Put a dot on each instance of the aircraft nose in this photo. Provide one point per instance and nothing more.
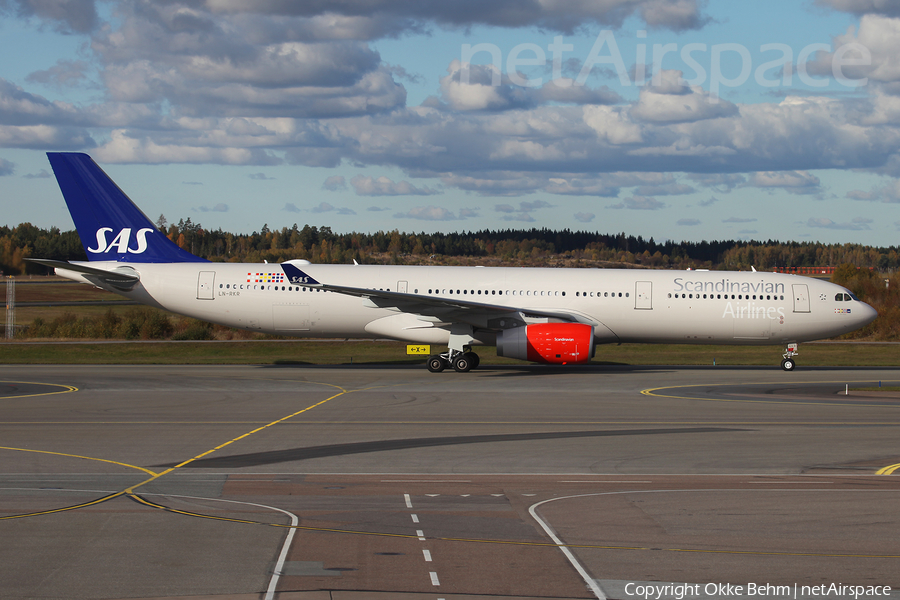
(867, 314)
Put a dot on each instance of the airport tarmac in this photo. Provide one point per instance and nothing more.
(360, 483)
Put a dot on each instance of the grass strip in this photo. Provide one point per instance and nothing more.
(387, 353)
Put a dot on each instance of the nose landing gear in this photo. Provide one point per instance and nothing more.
(788, 363)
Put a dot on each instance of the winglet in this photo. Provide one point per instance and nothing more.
(109, 224)
(297, 277)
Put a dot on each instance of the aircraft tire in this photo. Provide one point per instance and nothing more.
(788, 364)
(436, 364)
(463, 363)
(474, 359)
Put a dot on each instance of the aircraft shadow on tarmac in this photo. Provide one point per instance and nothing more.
(256, 459)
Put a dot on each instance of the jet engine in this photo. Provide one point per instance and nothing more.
(556, 343)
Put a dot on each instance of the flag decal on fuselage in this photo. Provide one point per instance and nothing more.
(265, 277)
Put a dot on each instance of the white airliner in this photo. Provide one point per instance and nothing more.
(540, 315)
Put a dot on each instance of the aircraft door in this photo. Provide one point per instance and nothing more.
(643, 297)
(205, 285)
(801, 298)
(402, 286)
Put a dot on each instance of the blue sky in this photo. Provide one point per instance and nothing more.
(671, 119)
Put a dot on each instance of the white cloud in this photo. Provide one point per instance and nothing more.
(889, 194)
(67, 16)
(860, 7)
(272, 82)
(823, 223)
(220, 207)
(335, 183)
(867, 53)
(323, 207)
(383, 186)
(584, 217)
(639, 203)
(556, 15)
(8, 168)
(794, 182)
(428, 213)
(671, 102)
(668, 189)
(523, 212)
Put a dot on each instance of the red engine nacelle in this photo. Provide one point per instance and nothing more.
(557, 343)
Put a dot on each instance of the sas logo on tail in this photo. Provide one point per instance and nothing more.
(121, 241)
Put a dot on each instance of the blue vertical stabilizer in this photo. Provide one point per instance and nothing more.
(109, 224)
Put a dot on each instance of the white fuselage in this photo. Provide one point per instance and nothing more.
(623, 305)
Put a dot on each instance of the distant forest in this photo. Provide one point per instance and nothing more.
(525, 247)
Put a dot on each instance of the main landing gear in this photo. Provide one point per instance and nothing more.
(462, 362)
(459, 353)
(788, 363)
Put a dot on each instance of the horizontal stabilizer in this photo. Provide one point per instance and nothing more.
(123, 278)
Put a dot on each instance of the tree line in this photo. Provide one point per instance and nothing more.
(523, 247)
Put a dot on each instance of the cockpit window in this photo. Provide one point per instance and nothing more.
(850, 297)
(839, 297)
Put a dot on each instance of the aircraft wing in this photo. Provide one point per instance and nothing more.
(442, 309)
